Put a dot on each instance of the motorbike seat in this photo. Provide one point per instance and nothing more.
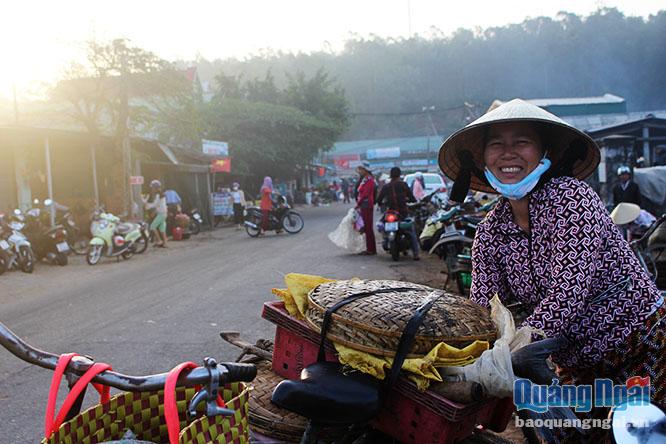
(329, 397)
(124, 227)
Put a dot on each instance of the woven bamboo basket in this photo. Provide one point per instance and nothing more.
(374, 324)
(273, 421)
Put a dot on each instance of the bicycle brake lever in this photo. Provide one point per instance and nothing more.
(209, 394)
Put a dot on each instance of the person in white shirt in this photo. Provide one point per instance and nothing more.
(239, 204)
(157, 202)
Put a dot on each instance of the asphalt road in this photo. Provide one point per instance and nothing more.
(151, 312)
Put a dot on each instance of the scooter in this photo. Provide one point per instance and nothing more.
(396, 233)
(282, 217)
(16, 249)
(48, 242)
(195, 221)
(111, 237)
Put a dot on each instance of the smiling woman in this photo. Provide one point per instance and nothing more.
(550, 244)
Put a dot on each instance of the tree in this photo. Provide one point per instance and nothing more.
(122, 89)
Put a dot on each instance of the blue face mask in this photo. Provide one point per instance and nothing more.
(520, 189)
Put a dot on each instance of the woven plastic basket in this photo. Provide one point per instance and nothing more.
(375, 323)
(143, 413)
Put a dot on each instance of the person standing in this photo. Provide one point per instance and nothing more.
(365, 202)
(345, 190)
(266, 204)
(626, 190)
(239, 204)
(157, 202)
(418, 187)
(397, 194)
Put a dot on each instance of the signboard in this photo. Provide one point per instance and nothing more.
(383, 153)
(415, 162)
(215, 147)
(223, 204)
(382, 165)
(136, 180)
(354, 163)
(220, 165)
(343, 160)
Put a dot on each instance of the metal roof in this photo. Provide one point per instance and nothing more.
(406, 144)
(595, 122)
(563, 101)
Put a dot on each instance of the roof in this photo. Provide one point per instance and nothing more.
(598, 122)
(565, 101)
(406, 144)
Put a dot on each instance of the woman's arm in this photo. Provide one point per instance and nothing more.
(487, 280)
(576, 241)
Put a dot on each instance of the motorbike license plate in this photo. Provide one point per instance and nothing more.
(391, 226)
(62, 247)
(4, 244)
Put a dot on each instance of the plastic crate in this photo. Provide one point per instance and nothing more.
(409, 415)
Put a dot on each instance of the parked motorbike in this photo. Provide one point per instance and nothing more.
(281, 217)
(396, 233)
(76, 239)
(47, 242)
(195, 221)
(111, 237)
(16, 249)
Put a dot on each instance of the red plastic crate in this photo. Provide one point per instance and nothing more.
(408, 415)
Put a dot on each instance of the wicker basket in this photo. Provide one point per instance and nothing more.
(374, 323)
(270, 420)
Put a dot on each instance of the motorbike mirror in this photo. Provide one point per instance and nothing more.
(48, 202)
(36, 201)
(17, 212)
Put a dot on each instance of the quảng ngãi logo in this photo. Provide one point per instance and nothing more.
(582, 398)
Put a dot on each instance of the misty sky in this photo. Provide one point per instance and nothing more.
(40, 38)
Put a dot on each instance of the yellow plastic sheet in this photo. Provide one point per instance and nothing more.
(295, 296)
(421, 370)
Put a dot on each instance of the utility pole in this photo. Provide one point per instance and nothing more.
(123, 132)
(432, 131)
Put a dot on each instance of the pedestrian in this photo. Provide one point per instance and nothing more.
(266, 204)
(157, 202)
(397, 194)
(365, 203)
(418, 186)
(626, 190)
(345, 190)
(173, 201)
(239, 204)
(551, 243)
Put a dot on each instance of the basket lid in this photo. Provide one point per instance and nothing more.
(375, 322)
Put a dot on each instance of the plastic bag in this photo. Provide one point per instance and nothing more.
(358, 221)
(493, 369)
(345, 235)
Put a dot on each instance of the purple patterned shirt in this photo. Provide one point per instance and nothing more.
(575, 271)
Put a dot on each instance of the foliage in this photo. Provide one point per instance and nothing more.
(564, 56)
(271, 130)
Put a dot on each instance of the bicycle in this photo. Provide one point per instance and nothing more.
(212, 376)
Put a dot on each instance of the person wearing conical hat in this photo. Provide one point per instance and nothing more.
(550, 243)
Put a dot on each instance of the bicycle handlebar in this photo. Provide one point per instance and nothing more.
(229, 371)
(650, 230)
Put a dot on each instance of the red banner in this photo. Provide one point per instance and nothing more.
(221, 165)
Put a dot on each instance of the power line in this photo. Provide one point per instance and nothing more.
(413, 113)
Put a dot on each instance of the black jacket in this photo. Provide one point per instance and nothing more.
(397, 194)
(631, 194)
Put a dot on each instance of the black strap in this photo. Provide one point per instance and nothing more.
(406, 339)
(464, 178)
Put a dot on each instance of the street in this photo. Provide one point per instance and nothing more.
(149, 313)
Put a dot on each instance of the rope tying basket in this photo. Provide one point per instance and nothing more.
(374, 324)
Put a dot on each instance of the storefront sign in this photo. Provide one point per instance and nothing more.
(415, 162)
(220, 165)
(136, 180)
(383, 153)
(215, 148)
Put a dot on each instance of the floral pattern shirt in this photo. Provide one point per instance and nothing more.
(574, 271)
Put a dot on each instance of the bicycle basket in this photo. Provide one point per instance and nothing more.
(143, 414)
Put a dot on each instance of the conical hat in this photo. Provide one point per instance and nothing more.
(471, 138)
(625, 213)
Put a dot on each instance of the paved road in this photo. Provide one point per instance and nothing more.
(153, 311)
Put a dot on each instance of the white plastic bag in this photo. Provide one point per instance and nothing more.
(493, 369)
(346, 237)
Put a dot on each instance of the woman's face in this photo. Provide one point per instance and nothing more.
(512, 151)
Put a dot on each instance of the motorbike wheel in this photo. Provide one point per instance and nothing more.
(127, 254)
(94, 254)
(61, 259)
(292, 222)
(26, 260)
(79, 246)
(141, 244)
(252, 232)
(195, 227)
(395, 251)
(4, 262)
